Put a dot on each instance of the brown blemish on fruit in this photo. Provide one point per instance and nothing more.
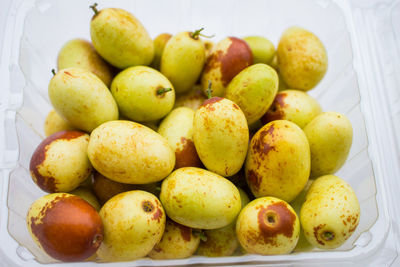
(147, 206)
(208, 103)
(69, 74)
(260, 145)
(187, 156)
(275, 112)
(235, 106)
(213, 60)
(186, 232)
(274, 220)
(157, 215)
(68, 228)
(253, 179)
(47, 183)
(316, 235)
(237, 57)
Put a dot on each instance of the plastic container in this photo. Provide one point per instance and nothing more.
(358, 83)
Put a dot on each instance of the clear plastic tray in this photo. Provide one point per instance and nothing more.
(355, 84)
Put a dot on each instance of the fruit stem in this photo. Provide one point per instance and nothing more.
(94, 8)
(328, 236)
(163, 90)
(200, 234)
(209, 90)
(198, 33)
(53, 71)
(158, 188)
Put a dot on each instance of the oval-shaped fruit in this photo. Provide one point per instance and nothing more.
(134, 223)
(221, 136)
(127, 152)
(192, 99)
(87, 195)
(120, 38)
(222, 242)
(79, 53)
(263, 50)
(178, 242)
(330, 213)
(82, 99)
(65, 226)
(228, 57)
(293, 105)
(60, 162)
(177, 128)
(199, 199)
(253, 89)
(330, 136)
(302, 59)
(208, 45)
(278, 162)
(143, 94)
(55, 123)
(182, 60)
(159, 44)
(268, 226)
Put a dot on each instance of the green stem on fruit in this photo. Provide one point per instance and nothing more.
(209, 90)
(328, 236)
(158, 188)
(53, 71)
(198, 33)
(201, 234)
(163, 90)
(94, 8)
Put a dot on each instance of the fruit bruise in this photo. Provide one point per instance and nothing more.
(187, 155)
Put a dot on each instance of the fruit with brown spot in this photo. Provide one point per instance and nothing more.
(177, 128)
(268, 226)
(134, 223)
(65, 226)
(330, 213)
(60, 162)
(221, 136)
(278, 161)
(178, 242)
(87, 195)
(192, 99)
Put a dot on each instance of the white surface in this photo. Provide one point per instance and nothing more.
(43, 26)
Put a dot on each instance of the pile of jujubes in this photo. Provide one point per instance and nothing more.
(179, 146)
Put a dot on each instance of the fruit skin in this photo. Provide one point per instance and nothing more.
(65, 226)
(208, 46)
(278, 161)
(128, 152)
(105, 188)
(330, 206)
(199, 199)
(222, 241)
(330, 136)
(120, 38)
(60, 162)
(293, 105)
(55, 123)
(228, 57)
(253, 90)
(178, 242)
(134, 223)
(159, 44)
(135, 91)
(82, 99)
(268, 226)
(182, 60)
(263, 50)
(192, 99)
(221, 136)
(177, 128)
(79, 53)
(87, 195)
(302, 59)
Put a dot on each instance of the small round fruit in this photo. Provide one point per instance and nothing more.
(143, 94)
(293, 105)
(263, 50)
(302, 59)
(268, 226)
(87, 194)
(60, 162)
(65, 226)
(105, 188)
(199, 199)
(134, 223)
(178, 242)
(55, 123)
(128, 152)
(330, 213)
